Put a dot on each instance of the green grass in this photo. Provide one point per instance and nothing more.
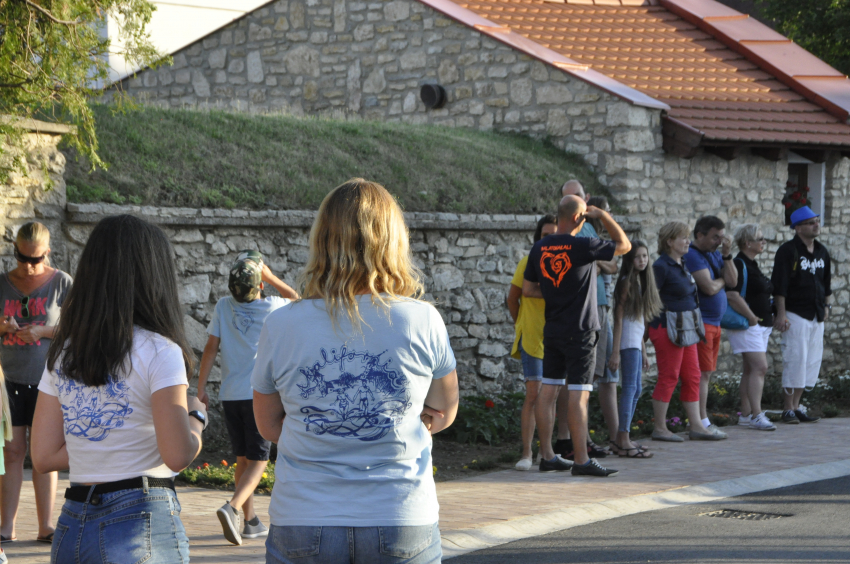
(219, 159)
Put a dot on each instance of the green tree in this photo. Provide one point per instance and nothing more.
(819, 26)
(53, 60)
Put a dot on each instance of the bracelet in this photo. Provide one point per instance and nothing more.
(727, 257)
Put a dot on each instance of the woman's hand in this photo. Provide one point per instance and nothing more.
(194, 403)
(8, 324)
(204, 398)
(614, 361)
(30, 333)
(645, 361)
(428, 414)
(753, 320)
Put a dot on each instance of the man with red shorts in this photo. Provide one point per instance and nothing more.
(713, 271)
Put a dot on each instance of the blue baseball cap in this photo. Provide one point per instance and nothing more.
(802, 214)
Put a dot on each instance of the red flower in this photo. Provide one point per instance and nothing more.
(795, 196)
(803, 200)
(489, 404)
(806, 189)
(206, 464)
(224, 463)
(788, 205)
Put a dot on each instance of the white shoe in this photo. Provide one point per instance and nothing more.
(523, 465)
(715, 430)
(745, 420)
(761, 423)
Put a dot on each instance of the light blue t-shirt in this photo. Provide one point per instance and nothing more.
(353, 451)
(588, 231)
(238, 326)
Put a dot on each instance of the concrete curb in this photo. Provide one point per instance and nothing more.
(462, 541)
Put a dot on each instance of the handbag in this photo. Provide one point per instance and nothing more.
(732, 319)
(685, 328)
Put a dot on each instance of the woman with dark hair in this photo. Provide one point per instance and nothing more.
(112, 403)
(529, 317)
(351, 401)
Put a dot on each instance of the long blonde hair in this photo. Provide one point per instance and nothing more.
(6, 415)
(359, 243)
(35, 232)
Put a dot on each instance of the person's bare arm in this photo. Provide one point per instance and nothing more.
(282, 287)
(178, 436)
(47, 447)
(618, 236)
(738, 303)
(531, 289)
(607, 266)
(269, 414)
(514, 294)
(614, 361)
(705, 284)
(207, 361)
(729, 272)
(443, 396)
(33, 333)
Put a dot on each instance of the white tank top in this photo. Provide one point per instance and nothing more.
(632, 333)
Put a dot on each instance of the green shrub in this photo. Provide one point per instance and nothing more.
(490, 420)
(221, 476)
(829, 410)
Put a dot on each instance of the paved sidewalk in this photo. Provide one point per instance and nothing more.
(501, 506)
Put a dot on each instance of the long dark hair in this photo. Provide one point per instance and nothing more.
(636, 290)
(548, 219)
(126, 277)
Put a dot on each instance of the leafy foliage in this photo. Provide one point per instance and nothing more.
(819, 26)
(222, 476)
(484, 419)
(53, 60)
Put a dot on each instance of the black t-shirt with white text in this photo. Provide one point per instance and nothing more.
(564, 267)
(803, 278)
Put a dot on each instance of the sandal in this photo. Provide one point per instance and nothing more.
(638, 453)
(615, 448)
(596, 451)
(4, 540)
(46, 539)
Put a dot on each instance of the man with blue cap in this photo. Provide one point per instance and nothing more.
(802, 294)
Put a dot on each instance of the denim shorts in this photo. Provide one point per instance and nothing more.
(360, 545)
(532, 367)
(127, 526)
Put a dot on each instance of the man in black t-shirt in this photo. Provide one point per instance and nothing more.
(802, 293)
(561, 270)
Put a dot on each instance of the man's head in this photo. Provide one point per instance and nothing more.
(708, 233)
(806, 223)
(246, 276)
(573, 188)
(571, 214)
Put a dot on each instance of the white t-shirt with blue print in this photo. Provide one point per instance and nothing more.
(353, 451)
(238, 326)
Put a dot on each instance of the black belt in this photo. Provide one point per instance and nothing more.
(81, 493)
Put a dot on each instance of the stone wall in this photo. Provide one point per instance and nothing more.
(34, 190)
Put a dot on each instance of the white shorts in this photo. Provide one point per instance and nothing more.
(751, 339)
(802, 352)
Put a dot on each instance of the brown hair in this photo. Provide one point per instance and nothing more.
(671, 230)
(636, 290)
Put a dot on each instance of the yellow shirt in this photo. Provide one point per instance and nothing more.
(531, 319)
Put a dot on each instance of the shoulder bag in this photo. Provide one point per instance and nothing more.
(685, 328)
(732, 319)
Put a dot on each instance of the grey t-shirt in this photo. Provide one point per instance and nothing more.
(23, 363)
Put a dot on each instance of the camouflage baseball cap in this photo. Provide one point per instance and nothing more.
(246, 274)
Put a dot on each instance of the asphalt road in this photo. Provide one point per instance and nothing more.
(814, 528)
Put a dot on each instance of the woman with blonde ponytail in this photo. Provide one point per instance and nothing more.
(351, 382)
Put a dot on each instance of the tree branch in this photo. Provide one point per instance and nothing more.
(50, 16)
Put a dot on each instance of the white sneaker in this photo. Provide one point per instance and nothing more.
(745, 420)
(761, 423)
(523, 465)
(715, 430)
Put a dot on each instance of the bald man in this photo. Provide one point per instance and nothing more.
(561, 270)
(574, 188)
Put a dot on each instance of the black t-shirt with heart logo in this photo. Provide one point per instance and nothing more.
(563, 266)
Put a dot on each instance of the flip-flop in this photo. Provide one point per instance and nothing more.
(47, 539)
(638, 453)
(4, 540)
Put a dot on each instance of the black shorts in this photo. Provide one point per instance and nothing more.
(22, 400)
(242, 428)
(570, 360)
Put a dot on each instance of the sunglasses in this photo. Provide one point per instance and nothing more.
(20, 257)
(25, 306)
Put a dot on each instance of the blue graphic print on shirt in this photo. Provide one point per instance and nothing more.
(243, 321)
(367, 398)
(91, 412)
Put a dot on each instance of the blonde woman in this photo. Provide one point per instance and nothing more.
(351, 382)
(32, 295)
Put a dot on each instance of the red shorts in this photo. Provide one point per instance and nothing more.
(710, 349)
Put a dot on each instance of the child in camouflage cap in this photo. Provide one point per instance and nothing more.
(235, 328)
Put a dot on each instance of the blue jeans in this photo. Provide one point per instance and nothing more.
(123, 527)
(631, 365)
(532, 367)
(361, 545)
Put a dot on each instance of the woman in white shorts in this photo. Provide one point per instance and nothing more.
(751, 298)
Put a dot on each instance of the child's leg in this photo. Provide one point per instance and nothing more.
(248, 476)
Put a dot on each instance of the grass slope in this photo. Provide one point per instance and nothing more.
(219, 159)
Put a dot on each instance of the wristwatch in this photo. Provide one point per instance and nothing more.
(200, 417)
(728, 257)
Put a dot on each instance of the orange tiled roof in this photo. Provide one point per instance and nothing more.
(677, 52)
